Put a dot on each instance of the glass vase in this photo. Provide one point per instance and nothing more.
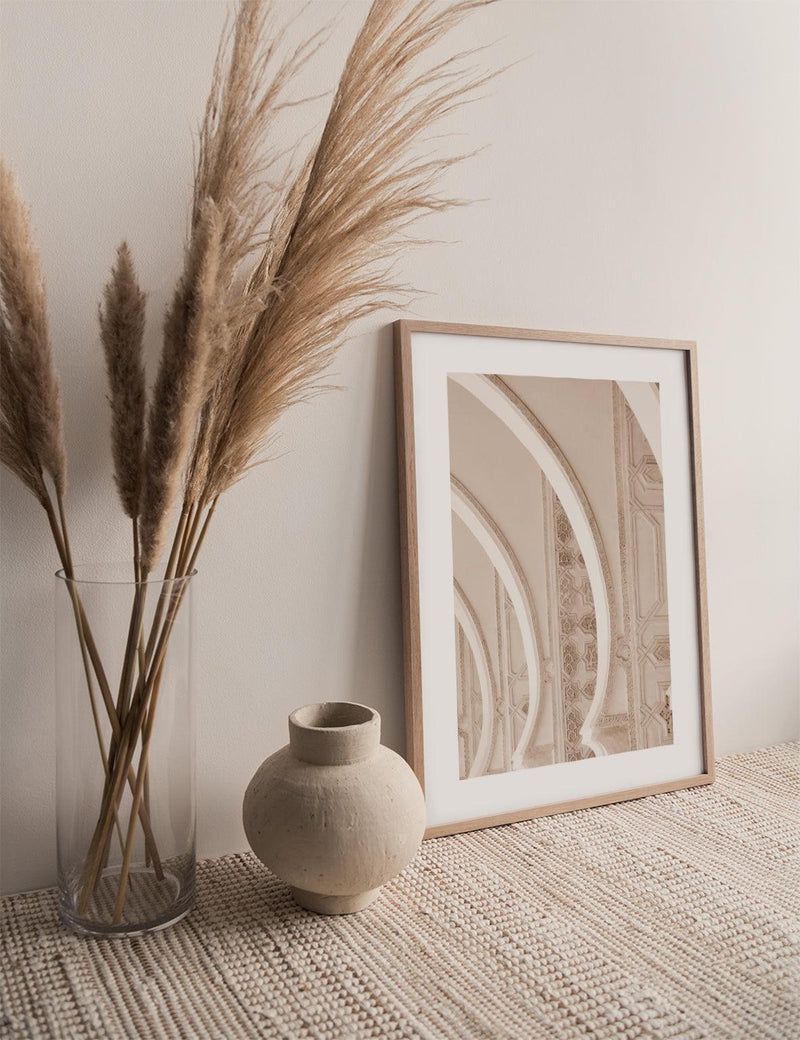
(125, 752)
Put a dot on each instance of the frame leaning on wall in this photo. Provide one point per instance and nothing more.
(445, 375)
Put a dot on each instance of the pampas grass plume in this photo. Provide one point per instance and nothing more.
(31, 431)
(122, 318)
(178, 390)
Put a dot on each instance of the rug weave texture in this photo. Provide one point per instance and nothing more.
(675, 916)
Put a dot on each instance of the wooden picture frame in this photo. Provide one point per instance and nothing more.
(469, 367)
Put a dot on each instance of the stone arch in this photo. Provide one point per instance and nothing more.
(531, 433)
(468, 620)
(491, 539)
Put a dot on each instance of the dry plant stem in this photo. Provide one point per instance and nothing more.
(169, 573)
(118, 749)
(137, 796)
(96, 853)
(88, 645)
(134, 638)
(135, 634)
(188, 538)
(137, 564)
(122, 765)
(140, 650)
(154, 687)
(89, 649)
(146, 697)
(146, 657)
(83, 627)
(96, 719)
(137, 573)
(84, 635)
(148, 859)
(85, 631)
(137, 570)
(112, 794)
(62, 546)
(64, 533)
(82, 622)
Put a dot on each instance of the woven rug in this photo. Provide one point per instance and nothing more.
(674, 916)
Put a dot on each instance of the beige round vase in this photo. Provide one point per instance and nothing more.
(334, 813)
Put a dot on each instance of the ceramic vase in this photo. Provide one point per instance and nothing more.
(334, 813)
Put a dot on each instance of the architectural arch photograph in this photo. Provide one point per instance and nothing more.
(562, 647)
(553, 582)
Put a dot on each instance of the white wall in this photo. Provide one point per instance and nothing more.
(642, 179)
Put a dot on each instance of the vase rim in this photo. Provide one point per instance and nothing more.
(94, 576)
(334, 732)
(332, 715)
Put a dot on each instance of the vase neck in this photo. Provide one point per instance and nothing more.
(334, 733)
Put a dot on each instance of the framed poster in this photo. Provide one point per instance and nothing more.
(556, 644)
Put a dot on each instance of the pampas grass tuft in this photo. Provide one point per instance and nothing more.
(122, 314)
(177, 394)
(31, 432)
(332, 241)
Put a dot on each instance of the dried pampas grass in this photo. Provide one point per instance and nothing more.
(276, 269)
(31, 432)
(177, 394)
(235, 167)
(122, 316)
(332, 242)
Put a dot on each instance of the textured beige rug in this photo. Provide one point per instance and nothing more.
(673, 916)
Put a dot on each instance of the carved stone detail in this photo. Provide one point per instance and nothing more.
(470, 706)
(574, 634)
(514, 703)
(640, 502)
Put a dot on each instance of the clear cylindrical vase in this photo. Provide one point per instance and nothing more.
(125, 784)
